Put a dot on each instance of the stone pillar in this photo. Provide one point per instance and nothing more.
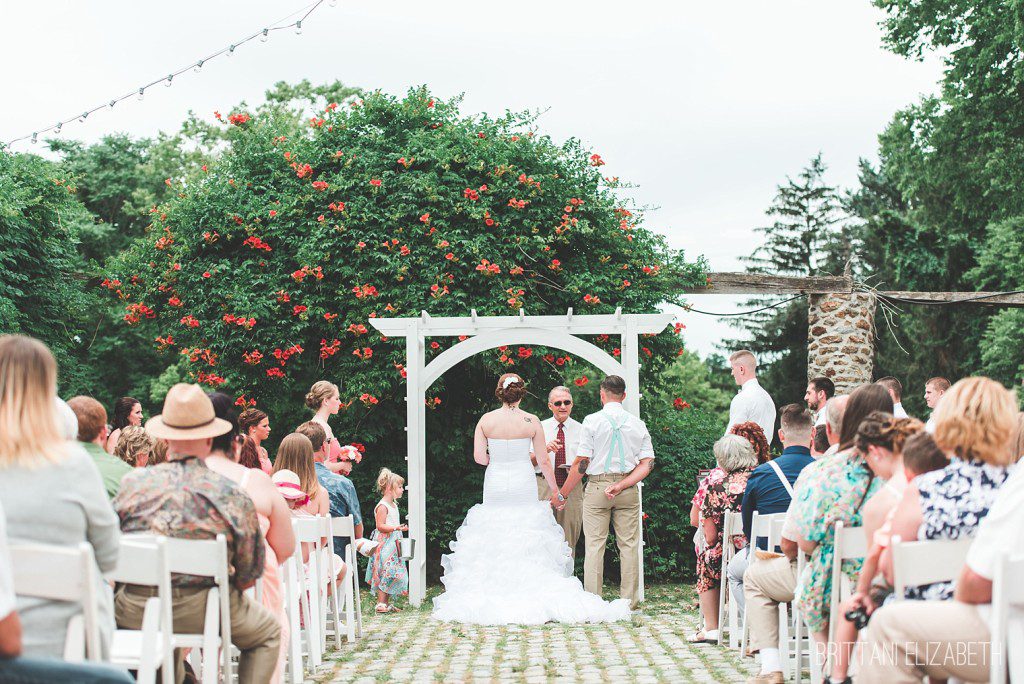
(841, 338)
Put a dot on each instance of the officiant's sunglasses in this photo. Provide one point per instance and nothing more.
(565, 402)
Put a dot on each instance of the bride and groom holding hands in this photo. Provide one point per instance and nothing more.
(511, 561)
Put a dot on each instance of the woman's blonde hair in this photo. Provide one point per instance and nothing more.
(133, 440)
(1017, 441)
(387, 479)
(319, 392)
(974, 420)
(296, 454)
(30, 432)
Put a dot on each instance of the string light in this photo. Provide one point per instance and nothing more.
(262, 34)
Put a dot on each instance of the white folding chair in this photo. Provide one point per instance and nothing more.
(728, 613)
(62, 573)
(924, 562)
(1007, 621)
(761, 528)
(144, 562)
(813, 656)
(850, 543)
(309, 531)
(292, 583)
(349, 602)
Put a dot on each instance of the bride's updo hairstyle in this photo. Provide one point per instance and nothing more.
(510, 389)
(318, 393)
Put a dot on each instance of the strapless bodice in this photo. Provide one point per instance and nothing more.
(508, 450)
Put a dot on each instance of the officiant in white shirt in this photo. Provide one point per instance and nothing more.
(562, 435)
(615, 452)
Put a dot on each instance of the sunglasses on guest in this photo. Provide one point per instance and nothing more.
(566, 402)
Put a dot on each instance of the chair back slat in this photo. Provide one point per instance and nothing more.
(142, 561)
(343, 527)
(924, 562)
(55, 573)
(1007, 632)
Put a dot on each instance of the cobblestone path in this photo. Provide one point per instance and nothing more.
(411, 647)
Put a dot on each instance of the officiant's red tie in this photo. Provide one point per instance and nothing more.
(560, 473)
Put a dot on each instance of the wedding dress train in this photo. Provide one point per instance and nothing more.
(510, 563)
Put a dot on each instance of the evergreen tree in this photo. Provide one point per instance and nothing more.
(805, 238)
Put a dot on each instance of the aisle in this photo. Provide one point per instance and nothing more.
(409, 646)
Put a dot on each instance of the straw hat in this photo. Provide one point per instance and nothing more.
(188, 414)
(288, 484)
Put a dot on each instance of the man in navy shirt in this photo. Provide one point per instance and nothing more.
(770, 486)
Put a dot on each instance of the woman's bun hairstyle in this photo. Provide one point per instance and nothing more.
(510, 393)
(321, 390)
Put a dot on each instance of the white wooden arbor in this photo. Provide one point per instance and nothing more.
(490, 332)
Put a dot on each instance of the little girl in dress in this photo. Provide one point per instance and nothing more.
(387, 574)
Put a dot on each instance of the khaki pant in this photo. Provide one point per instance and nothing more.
(570, 517)
(909, 640)
(623, 514)
(766, 584)
(254, 629)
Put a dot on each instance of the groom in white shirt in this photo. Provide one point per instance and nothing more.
(615, 453)
(752, 402)
(562, 435)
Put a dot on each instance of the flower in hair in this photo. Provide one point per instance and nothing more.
(509, 381)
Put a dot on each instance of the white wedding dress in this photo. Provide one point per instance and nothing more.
(510, 563)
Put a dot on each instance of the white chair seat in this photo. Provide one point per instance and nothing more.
(126, 646)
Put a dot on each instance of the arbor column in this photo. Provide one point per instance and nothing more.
(841, 338)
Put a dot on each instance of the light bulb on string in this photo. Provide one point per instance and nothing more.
(265, 35)
(60, 125)
(84, 116)
(35, 138)
(332, 3)
(199, 65)
(298, 27)
(167, 83)
(112, 103)
(142, 94)
(231, 50)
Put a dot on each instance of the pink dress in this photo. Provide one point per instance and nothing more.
(272, 593)
(265, 464)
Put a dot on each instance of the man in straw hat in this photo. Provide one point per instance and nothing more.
(182, 498)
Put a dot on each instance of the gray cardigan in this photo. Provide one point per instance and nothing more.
(61, 503)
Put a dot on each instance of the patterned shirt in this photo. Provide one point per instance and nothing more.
(186, 500)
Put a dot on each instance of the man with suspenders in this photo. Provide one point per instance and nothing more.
(615, 453)
(770, 486)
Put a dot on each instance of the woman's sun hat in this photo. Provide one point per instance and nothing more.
(188, 414)
(289, 485)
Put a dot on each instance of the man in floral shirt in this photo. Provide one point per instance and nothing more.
(184, 499)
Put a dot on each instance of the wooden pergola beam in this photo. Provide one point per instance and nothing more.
(988, 298)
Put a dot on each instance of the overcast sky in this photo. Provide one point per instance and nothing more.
(705, 106)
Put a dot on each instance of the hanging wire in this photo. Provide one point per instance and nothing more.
(744, 313)
(167, 79)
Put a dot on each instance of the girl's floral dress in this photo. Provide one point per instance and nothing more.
(722, 495)
(836, 490)
(387, 571)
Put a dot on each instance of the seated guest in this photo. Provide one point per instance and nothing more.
(918, 455)
(340, 490)
(934, 390)
(834, 411)
(50, 489)
(895, 389)
(753, 433)
(159, 453)
(770, 487)
(16, 668)
(910, 640)
(294, 457)
(973, 425)
(67, 419)
(184, 499)
(770, 582)
(881, 505)
(736, 458)
(127, 411)
(92, 433)
(1017, 441)
(819, 440)
(135, 446)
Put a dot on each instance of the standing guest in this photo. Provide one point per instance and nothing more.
(50, 489)
(819, 391)
(134, 446)
(770, 486)
(752, 402)
(736, 458)
(562, 435)
(615, 453)
(895, 389)
(271, 510)
(387, 574)
(92, 433)
(973, 425)
(324, 399)
(340, 490)
(127, 411)
(255, 428)
(902, 634)
(185, 499)
(933, 391)
(16, 668)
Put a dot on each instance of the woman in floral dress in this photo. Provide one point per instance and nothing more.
(736, 459)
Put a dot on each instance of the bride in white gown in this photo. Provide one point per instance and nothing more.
(509, 562)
